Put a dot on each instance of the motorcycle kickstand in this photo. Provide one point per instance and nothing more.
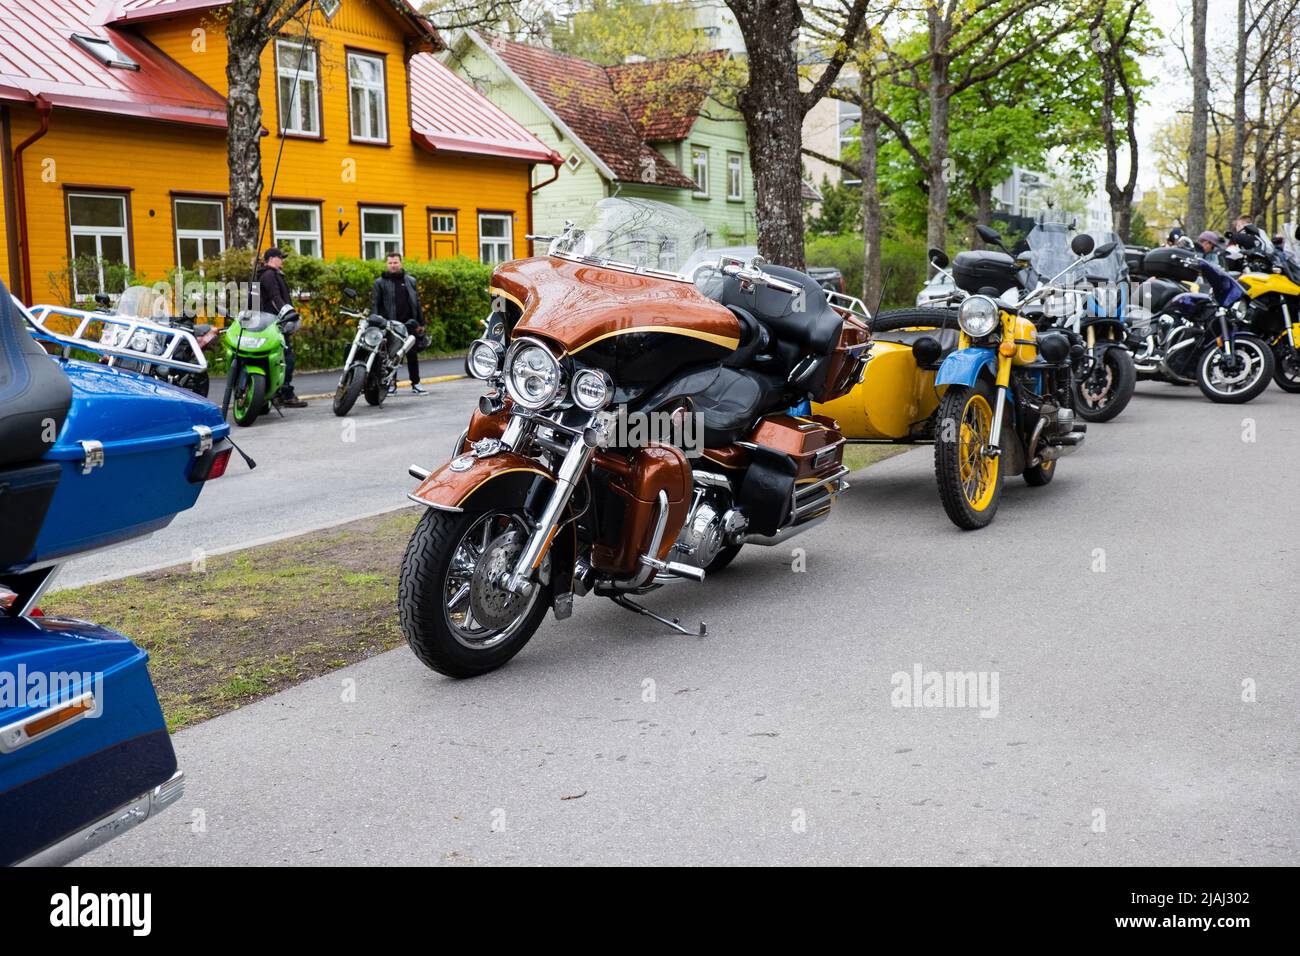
(626, 602)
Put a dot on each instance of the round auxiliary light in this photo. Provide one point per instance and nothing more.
(533, 376)
(484, 359)
(978, 316)
(591, 390)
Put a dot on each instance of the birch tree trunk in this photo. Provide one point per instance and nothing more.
(1238, 160)
(936, 226)
(244, 124)
(871, 224)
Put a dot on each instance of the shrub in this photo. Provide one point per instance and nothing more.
(903, 265)
(452, 291)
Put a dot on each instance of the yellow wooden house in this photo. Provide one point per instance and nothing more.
(113, 118)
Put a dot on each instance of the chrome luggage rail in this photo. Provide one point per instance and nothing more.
(850, 304)
(125, 330)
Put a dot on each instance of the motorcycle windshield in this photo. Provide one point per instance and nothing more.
(256, 321)
(142, 302)
(1049, 247)
(637, 234)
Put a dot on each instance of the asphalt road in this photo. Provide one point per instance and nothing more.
(313, 470)
(1119, 736)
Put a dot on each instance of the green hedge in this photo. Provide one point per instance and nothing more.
(903, 265)
(453, 292)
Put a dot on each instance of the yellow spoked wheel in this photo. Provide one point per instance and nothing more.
(970, 479)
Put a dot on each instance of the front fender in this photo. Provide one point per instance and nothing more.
(963, 367)
(503, 478)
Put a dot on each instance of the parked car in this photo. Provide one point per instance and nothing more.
(90, 456)
(937, 291)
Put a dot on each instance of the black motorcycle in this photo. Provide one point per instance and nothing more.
(181, 359)
(1181, 337)
(374, 360)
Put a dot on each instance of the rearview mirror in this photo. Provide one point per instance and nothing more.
(350, 293)
(988, 234)
(939, 258)
(1081, 245)
(1105, 249)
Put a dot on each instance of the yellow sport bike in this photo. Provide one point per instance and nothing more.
(1272, 309)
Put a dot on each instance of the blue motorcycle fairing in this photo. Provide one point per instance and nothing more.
(963, 366)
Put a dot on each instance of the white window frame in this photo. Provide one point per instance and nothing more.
(450, 216)
(294, 238)
(503, 245)
(700, 153)
(98, 233)
(735, 177)
(388, 241)
(201, 235)
(307, 82)
(379, 88)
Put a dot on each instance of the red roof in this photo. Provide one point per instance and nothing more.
(38, 57)
(664, 97)
(449, 115)
(582, 95)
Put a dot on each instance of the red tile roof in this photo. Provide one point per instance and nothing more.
(449, 115)
(581, 94)
(664, 97)
(38, 57)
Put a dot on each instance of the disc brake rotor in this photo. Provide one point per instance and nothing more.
(491, 604)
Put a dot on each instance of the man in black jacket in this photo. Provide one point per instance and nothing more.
(395, 297)
(273, 295)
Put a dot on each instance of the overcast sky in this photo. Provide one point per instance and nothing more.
(1172, 90)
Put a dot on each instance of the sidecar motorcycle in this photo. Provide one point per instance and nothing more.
(90, 456)
(993, 394)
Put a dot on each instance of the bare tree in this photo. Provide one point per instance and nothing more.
(1197, 159)
(250, 27)
(773, 106)
(1115, 42)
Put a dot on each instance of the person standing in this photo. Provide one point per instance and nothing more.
(396, 298)
(273, 295)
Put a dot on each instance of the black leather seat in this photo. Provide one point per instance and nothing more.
(811, 324)
(733, 402)
(34, 393)
(947, 338)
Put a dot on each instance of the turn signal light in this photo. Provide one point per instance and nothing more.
(1007, 347)
(47, 722)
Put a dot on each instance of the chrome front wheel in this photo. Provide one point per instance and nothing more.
(455, 611)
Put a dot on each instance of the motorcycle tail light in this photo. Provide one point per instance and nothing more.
(211, 464)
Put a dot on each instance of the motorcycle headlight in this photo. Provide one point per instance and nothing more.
(372, 338)
(483, 359)
(533, 376)
(978, 316)
(591, 390)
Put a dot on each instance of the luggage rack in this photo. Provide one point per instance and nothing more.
(847, 303)
(39, 315)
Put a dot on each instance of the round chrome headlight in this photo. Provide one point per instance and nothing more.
(591, 390)
(533, 376)
(483, 359)
(978, 316)
(372, 338)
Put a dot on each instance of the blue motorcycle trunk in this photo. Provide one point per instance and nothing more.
(56, 781)
(148, 433)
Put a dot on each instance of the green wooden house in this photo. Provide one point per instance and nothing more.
(646, 130)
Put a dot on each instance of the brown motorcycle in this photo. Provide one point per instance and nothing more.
(638, 427)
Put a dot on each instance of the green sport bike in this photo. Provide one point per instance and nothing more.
(254, 344)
